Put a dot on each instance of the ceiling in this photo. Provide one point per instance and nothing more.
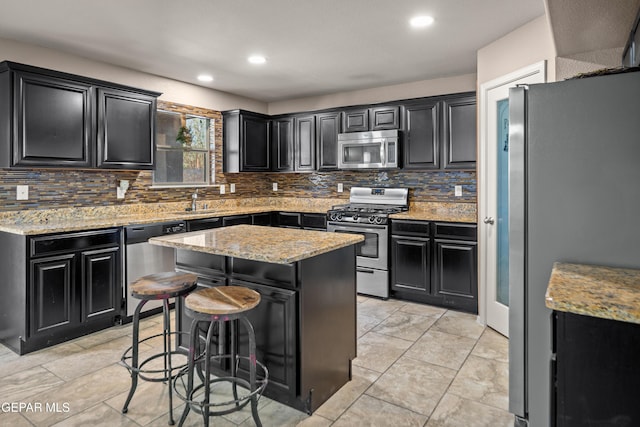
(313, 47)
(588, 25)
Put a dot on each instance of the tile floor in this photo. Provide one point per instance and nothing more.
(417, 365)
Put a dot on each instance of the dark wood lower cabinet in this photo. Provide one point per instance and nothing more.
(455, 278)
(595, 372)
(52, 288)
(411, 260)
(59, 287)
(435, 263)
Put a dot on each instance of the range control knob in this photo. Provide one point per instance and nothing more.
(378, 220)
(338, 217)
(332, 216)
(355, 217)
(372, 219)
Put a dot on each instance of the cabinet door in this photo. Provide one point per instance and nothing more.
(282, 143)
(459, 133)
(421, 137)
(411, 265)
(456, 271)
(52, 122)
(261, 219)
(52, 294)
(274, 321)
(327, 130)
(355, 120)
(126, 129)
(305, 143)
(235, 220)
(254, 143)
(288, 219)
(382, 118)
(101, 287)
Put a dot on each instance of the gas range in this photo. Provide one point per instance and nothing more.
(370, 205)
(369, 214)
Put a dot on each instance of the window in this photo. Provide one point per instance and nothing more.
(183, 146)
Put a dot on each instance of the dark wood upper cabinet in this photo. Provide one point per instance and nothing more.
(384, 117)
(459, 133)
(327, 130)
(305, 143)
(126, 130)
(421, 135)
(52, 122)
(54, 119)
(356, 120)
(440, 132)
(247, 145)
(374, 118)
(282, 143)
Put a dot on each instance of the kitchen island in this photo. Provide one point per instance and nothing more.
(595, 347)
(306, 321)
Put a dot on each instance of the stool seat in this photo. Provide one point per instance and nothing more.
(165, 285)
(222, 300)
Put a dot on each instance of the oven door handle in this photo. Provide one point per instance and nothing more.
(357, 229)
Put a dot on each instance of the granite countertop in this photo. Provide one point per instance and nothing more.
(605, 292)
(259, 243)
(33, 222)
(440, 211)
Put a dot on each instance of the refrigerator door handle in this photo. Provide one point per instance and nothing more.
(517, 236)
(489, 220)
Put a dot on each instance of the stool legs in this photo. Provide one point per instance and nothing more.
(190, 368)
(166, 342)
(167, 354)
(252, 369)
(206, 359)
(134, 356)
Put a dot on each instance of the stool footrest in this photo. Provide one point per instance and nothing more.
(142, 372)
(240, 402)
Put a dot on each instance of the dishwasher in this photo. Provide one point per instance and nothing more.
(143, 258)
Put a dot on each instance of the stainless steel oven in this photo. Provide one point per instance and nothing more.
(367, 215)
(371, 256)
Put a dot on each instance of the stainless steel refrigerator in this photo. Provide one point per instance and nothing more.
(574, 196)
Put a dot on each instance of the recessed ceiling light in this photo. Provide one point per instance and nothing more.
(205, 78)
(257, 59)
(421, 21)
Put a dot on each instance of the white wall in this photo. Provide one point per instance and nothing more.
(172, 90)
(463, 83)
(531, 43)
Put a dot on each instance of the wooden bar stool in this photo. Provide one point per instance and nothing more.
(160, 286)
(216, 305)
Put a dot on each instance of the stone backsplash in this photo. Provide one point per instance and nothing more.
(62, 188)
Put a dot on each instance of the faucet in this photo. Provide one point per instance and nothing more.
(194, 197)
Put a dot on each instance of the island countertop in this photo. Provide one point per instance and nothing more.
(259, 243)
(604, 292)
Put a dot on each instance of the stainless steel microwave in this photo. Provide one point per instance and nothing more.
(368, 150)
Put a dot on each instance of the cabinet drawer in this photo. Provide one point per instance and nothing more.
(280, 275)
(316, 221)
(200, 261)
(410, 228)
(204, 224)
(288, 219)
(456, 231)
(71, 242)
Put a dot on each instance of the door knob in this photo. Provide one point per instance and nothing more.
(489, 220)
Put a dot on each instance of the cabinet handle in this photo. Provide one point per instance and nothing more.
(489, 220)
(360, 270)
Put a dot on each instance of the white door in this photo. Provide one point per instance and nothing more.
(493, 204)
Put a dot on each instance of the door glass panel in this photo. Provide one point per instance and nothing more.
(502, 285)
(368, 248)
